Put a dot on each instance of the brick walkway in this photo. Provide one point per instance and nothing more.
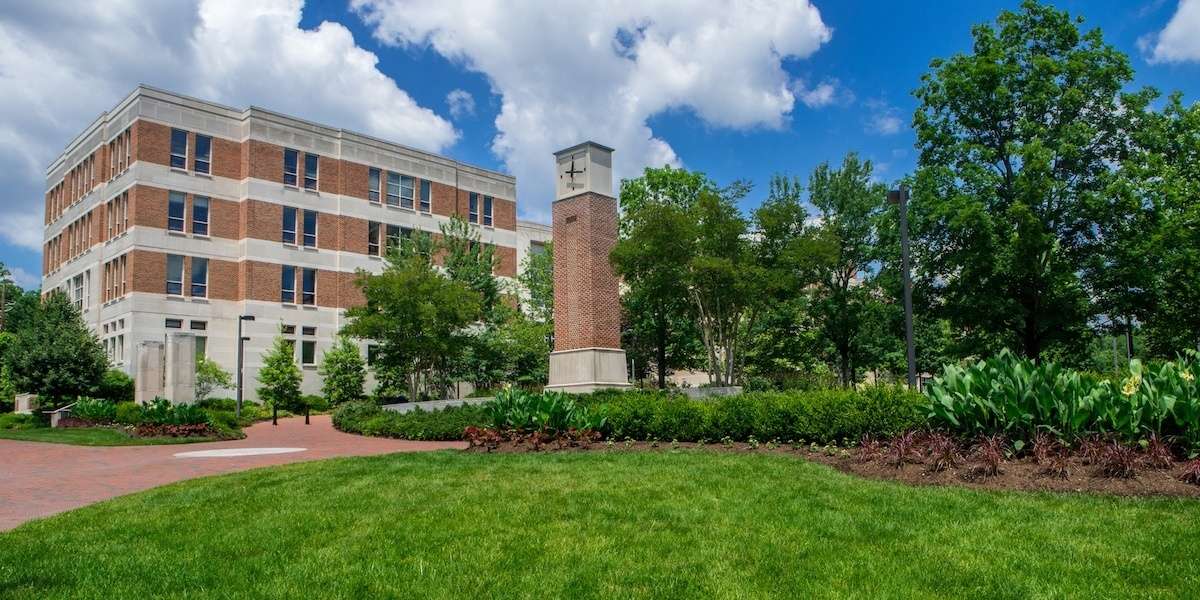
(40, 479)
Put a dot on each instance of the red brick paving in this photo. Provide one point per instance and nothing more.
(39, 479)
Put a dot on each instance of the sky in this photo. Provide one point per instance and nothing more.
(735, 89)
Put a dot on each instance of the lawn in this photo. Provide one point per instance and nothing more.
(90, 436)
(598, 525)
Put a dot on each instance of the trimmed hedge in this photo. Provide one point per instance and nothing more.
(367, 418)
(820, 416)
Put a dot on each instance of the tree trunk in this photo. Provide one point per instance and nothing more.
(1129, 337)
(661, 350)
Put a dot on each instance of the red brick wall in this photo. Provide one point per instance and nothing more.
(587, 312)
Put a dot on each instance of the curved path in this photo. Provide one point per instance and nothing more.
(38, 479)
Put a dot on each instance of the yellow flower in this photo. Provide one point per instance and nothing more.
(1187, 376)
(1131, 385)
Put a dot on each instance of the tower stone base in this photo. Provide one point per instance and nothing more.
(586, 370)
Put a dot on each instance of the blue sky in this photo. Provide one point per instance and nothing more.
(848, 68)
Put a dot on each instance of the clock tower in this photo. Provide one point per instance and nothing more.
(587, 352)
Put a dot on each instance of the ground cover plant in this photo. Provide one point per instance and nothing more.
(1020, 399)
(601, 524)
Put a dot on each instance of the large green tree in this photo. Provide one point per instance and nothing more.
(419, 317)
(54, 354)
(1017, 138)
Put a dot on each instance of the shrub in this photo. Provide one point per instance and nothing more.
(162, 412)
(115, 386)
(210, 377)
(1017, 398)
(314, 402)
(94, 410)
(548, 412)
(15, 421)
(368, 419)
(127, 413)
(229, 404)
(343, 372)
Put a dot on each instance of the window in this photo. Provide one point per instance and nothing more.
(289, 166)
(289, 225)
(308, 330)
(175, 211)
(200, 215)
(373, 238)
(309, 289)
(373, 185)
(406, 191)
(393, 189)
(426, 193)
(308, 352)
(199, 277)
(372, 352)
(77, 295)
(487, 211)
(174, 275)
(288, 285)
(473, 208)
(310, 228)
(288, 329)
(203, 161)
(178, 149)
(393, 237)
(536, 248)
(310, 171)
(199, 325)
(201, 347)
(173, 323)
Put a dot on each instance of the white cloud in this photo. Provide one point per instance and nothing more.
(600, 70)
(461, 103)
(823, 94)
(884, 118)
(24, 278)
(62, 64)
(1179, 41)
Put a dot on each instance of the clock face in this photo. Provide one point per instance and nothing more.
(572, 173)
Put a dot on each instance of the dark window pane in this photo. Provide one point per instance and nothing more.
(174, 274)
(393, 189)
(310, 228)
(200, 215)
(406, 191)
(308, 352)
(487, 210)
(373, 238)
(289, 166)
(289, 329)
(175, 211)
(178, 148)
(310, 171)
(308, 330)
(289, 225)
(200, 277)
(426, 192)
(288, 284)
(373, 185)
(473, 208)
(173, 323)
(199, 325)
(203, 153)
(310, 286)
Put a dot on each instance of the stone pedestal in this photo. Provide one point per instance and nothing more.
(180, 377)
(587, 369)
(148, 379)
(25, 404)
(587, 309)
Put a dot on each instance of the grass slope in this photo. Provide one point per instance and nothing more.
(598, 525)
(90, 436)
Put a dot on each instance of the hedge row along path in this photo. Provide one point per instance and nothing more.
(40, 479)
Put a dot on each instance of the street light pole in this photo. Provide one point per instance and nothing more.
(240, 351)
(900, 197)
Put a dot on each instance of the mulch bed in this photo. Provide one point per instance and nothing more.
(146, 430)
(1022, 474)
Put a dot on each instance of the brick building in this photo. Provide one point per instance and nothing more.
(174, 214)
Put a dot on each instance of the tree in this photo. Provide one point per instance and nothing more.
(845, 243)
(419, 317)
(210, 377)
(471, 262)
(537, 280)
(116, 386)
(1016, 139)
(279, 378)
(652, 254)
(343, 373)
(54, 354)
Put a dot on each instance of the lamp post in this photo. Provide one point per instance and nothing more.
(241, 348)
(900, 197)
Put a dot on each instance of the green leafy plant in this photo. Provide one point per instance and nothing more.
(95, 410)
(343, 373)
(549, 412)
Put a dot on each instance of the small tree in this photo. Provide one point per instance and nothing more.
(279, 379)
(116, 386)
(55, 355)
(537, 278)
(343, 372)
(210, 377)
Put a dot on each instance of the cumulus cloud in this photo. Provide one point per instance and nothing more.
(1179, 41)
(600, 70)
(62, 64)
(823, 94)
(884, 119)
(24, 278)
(461, 103)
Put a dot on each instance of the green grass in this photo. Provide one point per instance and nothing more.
(90, 436)
(598, 525)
